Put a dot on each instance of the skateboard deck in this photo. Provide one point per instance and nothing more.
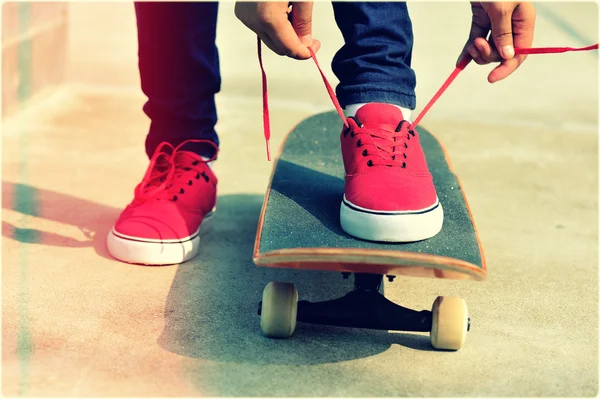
(299, 223)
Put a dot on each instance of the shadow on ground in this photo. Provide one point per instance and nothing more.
(94, 220)
(211, 310)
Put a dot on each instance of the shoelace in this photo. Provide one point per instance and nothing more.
(158, 180)
(459, 68)
(391, 143)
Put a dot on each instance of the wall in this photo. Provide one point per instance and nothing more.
(34, 50)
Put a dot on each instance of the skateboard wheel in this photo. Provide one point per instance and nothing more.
(450, 323)
(279, 310)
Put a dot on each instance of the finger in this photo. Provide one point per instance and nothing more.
(469, 50)
(502, 34)
(316, 45)
(462, 55)
(480, 27)
(472, 51)
(269, 20)
(284, 37)
(503, 70)
(487, 51)
(301, 17)
(268, 41)
(523, 28)
(524, 24)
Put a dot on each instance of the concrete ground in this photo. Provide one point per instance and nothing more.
(78, 323)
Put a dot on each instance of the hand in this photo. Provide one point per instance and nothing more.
(512, 25)
(285, 29)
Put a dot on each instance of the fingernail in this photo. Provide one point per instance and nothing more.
(307, 40)
(508, 51)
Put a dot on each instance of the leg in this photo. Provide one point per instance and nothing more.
(389, 192)
(179, 70)
(374, 63)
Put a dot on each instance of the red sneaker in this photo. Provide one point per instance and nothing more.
(389, 194)
(161, 225)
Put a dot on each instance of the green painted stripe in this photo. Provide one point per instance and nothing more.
(25, 63)
(26, 201)
(24, 53)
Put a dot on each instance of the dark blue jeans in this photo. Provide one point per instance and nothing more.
(179, 63)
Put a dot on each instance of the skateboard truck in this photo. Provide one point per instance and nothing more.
(363, 307)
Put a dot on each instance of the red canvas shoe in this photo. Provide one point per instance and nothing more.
(161, 225)
(389, 193)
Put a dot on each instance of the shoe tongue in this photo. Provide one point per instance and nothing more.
(379, 114)
(186, 157)
(183, 160)
(162, 165)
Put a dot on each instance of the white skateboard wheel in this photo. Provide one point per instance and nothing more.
(279, 310)
(450, 323)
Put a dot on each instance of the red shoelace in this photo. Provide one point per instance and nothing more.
(460, 67)
(159, 176)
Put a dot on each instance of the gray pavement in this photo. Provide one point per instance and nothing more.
(78, 323)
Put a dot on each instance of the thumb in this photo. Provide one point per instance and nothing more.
(502, 33)
(301, 17)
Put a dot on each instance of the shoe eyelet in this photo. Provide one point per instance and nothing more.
(181, 191)
(358, 123)
(359, 143)
(399, 127)
(346, 130)
(197, 176)
(369, 163)
(175, 198)
(195, 163)
(352, 134)
(405, 145)
(405, 156)
(189, 183)
(365, 153)
(404, 165)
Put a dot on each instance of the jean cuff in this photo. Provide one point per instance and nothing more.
(366, 95)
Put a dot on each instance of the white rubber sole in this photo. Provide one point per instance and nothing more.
(386, 226)
(141, 251)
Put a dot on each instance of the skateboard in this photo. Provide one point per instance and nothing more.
(299, 228)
